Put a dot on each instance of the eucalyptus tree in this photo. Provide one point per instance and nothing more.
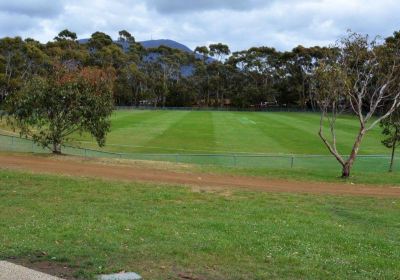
(99, 40)
(263, 66)
(363, 78)
(66, 50)
(50, 109)
(131, 78)
(391, 125)
(167, 68)
(200, 81)
(201, 76)
(219, 52)
(391, 131)
(66, 35)
(300, 63)
(125, 36)
(19, 60)
(258, 67)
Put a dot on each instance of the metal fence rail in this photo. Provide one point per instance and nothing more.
(365, 163)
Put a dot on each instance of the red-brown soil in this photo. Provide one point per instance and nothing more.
(79, 167)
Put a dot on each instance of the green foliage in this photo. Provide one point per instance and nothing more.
(99, 40)
(51, 109)
(125, 36)
(203, 50)
(219, 51)
(391, 129)
(360, 77)
(211, 76)
(66, 35)
(19, 60)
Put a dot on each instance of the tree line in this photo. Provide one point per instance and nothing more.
(211, 76)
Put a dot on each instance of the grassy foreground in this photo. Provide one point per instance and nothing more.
(162, 232)
(372, 177)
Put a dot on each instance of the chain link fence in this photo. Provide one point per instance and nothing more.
(365, 163)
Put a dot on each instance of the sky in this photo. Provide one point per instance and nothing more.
(239, 23)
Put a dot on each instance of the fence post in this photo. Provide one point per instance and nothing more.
(85, 153)
(12, 143)
(33, 147)
(292, 162)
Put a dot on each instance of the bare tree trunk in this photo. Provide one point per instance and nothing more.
(350, 161)
(346, 171)
(164, 93)
(134, 90)
(303, 93)
(56, 148)
(393, 152)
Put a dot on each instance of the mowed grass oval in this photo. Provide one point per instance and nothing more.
(167, 131)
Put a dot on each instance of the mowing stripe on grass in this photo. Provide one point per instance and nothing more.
(194, 130)
(233, 135)
(227, 132)
(132, 130)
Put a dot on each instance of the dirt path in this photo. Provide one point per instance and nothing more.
(147, 174)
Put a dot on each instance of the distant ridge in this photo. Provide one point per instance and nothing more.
(165, 42)
(151, 44)
(187, 70)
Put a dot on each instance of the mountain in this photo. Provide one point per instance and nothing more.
(165, 42)
(151, 44)
(187, 70)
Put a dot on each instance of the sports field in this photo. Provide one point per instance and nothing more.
(227, 132)
(273, 141)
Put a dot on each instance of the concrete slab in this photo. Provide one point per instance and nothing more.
(120, 276)
(10, 271)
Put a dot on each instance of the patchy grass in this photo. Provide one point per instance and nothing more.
(317, 175)
(174, 232)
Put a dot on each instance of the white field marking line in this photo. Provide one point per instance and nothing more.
(245, 120)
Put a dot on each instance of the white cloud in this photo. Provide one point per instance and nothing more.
(178, 6)
(241, 24)
(35, 8)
